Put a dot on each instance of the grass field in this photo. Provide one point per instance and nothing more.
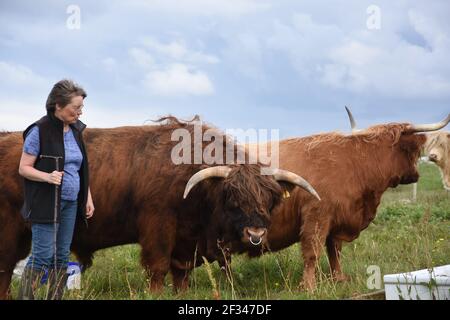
(405, 236)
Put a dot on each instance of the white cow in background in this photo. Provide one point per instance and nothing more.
(437, 150)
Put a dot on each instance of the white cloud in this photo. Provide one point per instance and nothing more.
(174, 50)
(199, 57)
(111, 116)
(367, 62)
(403, 70)
(172, 69)
(178, 79)
(17, 74)
(18, 115)
(300, 41)
(245, 53)
(141, 57)
(356, 53)
(177, 50)
(351, 59)
(22, 96)
(428, 28)
(225, 8)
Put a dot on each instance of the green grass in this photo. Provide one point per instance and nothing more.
(404, 236)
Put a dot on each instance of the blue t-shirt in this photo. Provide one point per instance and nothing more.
(70, 185)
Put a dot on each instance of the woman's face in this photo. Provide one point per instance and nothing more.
(71, 112)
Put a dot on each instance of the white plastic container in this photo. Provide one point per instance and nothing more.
(426, 284)
(20, 266)
(74, 278)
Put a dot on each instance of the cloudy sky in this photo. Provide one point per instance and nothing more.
(281, 64)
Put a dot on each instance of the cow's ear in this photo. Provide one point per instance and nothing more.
(286, 188)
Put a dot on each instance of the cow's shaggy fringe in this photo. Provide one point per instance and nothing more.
(238, 186)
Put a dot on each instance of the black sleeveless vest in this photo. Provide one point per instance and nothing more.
(39, 197)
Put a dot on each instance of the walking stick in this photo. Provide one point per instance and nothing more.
(55, 208)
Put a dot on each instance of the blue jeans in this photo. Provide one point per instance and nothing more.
(43, 246)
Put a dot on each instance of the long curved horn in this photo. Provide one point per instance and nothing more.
(352, 121)
(429, 127)
(284, 175)
(219, 171)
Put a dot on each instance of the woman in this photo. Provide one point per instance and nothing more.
(54, 165)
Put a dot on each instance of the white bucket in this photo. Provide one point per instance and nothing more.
(20, 266)
(426, 284)
(74, 279)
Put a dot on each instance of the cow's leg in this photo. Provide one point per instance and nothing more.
(14, 253)
(312, 240)
(83, 247)
(84, 257)
(157, 267)
(5, 281)
(334, 248)
(15, 245)
(157, 239)
(180, 278)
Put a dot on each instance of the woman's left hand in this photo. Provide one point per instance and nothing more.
(89, 206)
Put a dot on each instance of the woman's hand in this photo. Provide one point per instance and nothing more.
(89, 206)
(55, 177)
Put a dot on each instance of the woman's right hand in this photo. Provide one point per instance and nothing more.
(55, 177)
